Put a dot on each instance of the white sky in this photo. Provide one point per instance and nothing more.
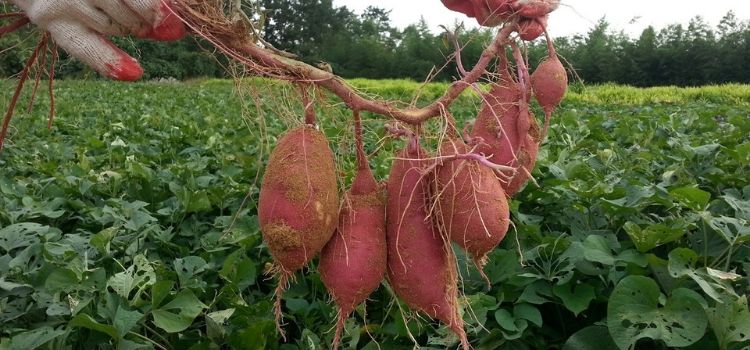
(574, 16)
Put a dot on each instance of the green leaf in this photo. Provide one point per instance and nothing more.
(528, 312)
(739, 202)
(61, 280)
(86, 321)
(58, 252)
(196, 202)
(160, 291)
(258, 335)
(730, 321)
(125, 320)
(101, 240)
(652, 236)
(34, 338)
(178, 314)
(590, 338)
(691, 197)
(187, 268)
(137, 277)
(215, 322)
(733, 230)
(597, 249)
(125, 344)
(21, 235)
(577, 298)
(634, 313)
(682, 264)
(309, 340)
(297, 306)
(480, 304)
(538, 293)
(239, 270)
(506, 320)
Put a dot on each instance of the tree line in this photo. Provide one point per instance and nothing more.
(367, 45)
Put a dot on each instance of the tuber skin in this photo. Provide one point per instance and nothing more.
(508, 128)
(353, 263)
(497, 121)
(299, 203)
(472, 205)
(421, 266)
(550, 80)
(532, 28)
(535, 8)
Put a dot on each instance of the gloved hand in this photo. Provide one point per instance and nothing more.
(80, 27)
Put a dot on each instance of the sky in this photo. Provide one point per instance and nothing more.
(573, 16)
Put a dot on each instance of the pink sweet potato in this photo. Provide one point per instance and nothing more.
(421, 266)
(299, 204)
(353, 263)
(508, 129)
(532, 28)
(550, 80)
(535, 8)
(472, 205)
(527, 156)
(497, 121)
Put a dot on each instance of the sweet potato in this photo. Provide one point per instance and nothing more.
(472, 205)
(550, 80)
(353, 263)
(489, 13)
(497, 121)
(421, 267)
(299, 204)
(532, 28)
(535, 8)
(508, 129)
(526, 156)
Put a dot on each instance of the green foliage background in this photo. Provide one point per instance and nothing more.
(367, 45)
(132, 224)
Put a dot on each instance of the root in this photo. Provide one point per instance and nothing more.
(15, 25)
(480, 263)
(19, 88)
(340, 323)
(232, 37)
(281, 287)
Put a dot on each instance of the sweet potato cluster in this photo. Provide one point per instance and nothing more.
(403, 231)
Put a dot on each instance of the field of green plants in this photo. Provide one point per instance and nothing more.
(131, 224)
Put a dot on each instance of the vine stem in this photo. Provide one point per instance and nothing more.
(362, 163)
(268, 63)
(17, 94)
(15, 25)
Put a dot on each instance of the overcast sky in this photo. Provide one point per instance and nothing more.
(574, 16)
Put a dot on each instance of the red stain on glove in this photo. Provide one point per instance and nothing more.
(169, 26)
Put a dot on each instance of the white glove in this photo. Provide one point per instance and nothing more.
(80, 27)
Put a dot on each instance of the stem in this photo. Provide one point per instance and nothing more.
(457, 55)
(14, 26)
(52, 87)
(477, 158)
(40, 64)
(12, 14)
(362, 163)
(270, 64)
(19, 88)
(310, 118)
(551, 51)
